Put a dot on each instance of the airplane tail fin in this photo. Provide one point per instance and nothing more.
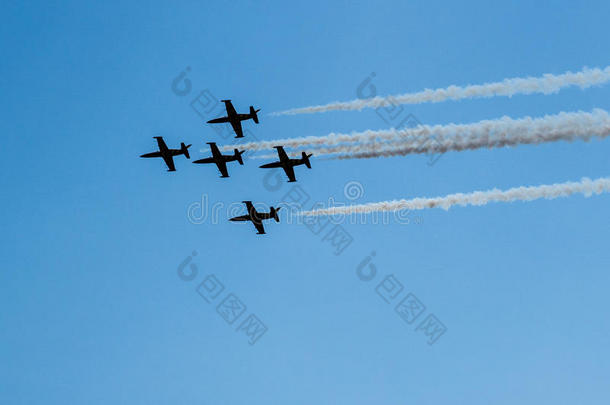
(238, 156)
(253, 114)
(274, 213)
(185, 150)
(305, 157)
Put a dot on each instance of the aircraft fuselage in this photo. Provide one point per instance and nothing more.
(242, 117)
(169, 152)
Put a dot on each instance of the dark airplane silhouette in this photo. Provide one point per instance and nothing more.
(221, 160)
(288, 164)
(168, 154)
(257, 217)
(235, 119)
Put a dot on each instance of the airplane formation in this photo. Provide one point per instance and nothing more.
(220, 160)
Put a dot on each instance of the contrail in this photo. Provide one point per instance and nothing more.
(545, 84)
(586, 186)
(505, 131)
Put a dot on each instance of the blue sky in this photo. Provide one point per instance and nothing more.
(93, 309)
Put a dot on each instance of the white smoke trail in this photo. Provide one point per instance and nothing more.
(453, 137)
(586, 186)
(565, 128)
(545, 84)
(316, 141)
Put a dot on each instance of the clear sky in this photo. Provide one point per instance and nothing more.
(93, 309)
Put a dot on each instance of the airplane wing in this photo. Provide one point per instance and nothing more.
(222, 166)
(161, 143)
(240, 218)
(230, 109)
(259, 227)
(290, 173)
(249, 206)
(281, 153)
(169, 161)
(214, 148)
(236, 124)
(270, 165)
(218, 120)
(206, 160)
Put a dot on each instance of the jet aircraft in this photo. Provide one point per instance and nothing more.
(221, 160)
(235, 119)
(288, 164)
(168, 154)
(257, 217)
